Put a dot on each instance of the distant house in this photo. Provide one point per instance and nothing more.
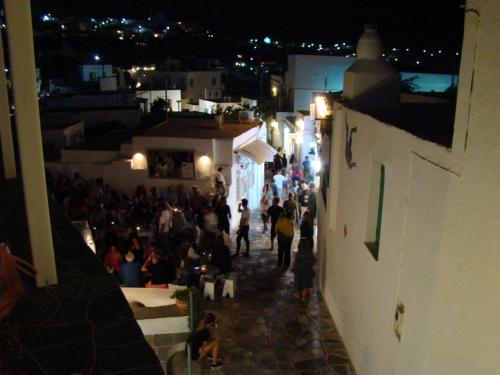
(92, 72)
(186, 149)
(308, 74)
(194, 84)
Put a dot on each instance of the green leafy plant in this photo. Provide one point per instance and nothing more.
(198, 308)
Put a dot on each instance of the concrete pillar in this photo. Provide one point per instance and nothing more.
(9, 163)
(22, 61)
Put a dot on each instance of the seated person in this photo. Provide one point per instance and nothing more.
(131, 272)
(162, 272)
(221, 256)
(186, 276)
(203, 343)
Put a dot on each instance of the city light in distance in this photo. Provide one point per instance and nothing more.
(267, 40)
(97, 58)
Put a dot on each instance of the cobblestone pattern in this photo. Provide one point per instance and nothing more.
(265, 329)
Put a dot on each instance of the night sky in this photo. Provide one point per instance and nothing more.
(416, 23)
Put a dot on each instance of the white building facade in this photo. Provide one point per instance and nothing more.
(408, 238)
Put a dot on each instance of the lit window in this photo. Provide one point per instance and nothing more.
(375, 208)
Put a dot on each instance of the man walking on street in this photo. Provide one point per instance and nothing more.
(244, 227)
(274, 212)
(285, 231)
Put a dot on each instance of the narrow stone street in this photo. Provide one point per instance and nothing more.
(265, 329)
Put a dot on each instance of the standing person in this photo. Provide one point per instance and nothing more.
(278, 160)
(284, 161)
(306, 166)
(278, 179)
(303, 198)
(274, 188)
(293, 161)
(164, 224)
(311, 204)
(221, 256)
(264, 206)
(296, 175)
(306, 228)
(290, 206)
(303, 269)
(274, 212)
(287, 183)
(203, 343)
(219, 178)
(223, 212)
(285, 231)
(244, 227)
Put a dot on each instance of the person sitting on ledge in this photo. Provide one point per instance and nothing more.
(203, 344)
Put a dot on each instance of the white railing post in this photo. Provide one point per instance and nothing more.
(29, 134)
(9, 162)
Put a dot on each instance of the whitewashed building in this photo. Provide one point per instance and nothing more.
(409, 243)
(204, 144)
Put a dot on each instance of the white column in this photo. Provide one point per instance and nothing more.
(9, 163)
(22, 61)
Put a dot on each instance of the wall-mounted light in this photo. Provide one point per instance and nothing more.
(321, 107)
(138, 161)
(275, 91)
(300, 124)
(316, 163)
(204, 163)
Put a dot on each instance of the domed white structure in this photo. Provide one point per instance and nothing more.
(371, 85)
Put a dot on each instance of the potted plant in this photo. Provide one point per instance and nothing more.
(182, 302)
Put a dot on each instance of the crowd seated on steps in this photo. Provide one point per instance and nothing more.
(151, 238)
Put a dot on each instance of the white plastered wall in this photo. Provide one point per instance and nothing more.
(440, 248)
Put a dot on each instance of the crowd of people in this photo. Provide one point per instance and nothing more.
(151, 239)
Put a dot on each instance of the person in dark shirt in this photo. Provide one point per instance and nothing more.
(223, 213)
(311, 204)
(162, 272)
(203, 343)
(278, 160)
(306, 166)
(274, 212)
(306, 228)
(221, 256)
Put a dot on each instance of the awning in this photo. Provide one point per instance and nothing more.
(258, 151)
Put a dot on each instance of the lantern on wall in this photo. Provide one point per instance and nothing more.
(139, 162)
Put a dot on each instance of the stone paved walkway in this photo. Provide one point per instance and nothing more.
(265, 329)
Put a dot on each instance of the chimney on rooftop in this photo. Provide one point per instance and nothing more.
(371, 84)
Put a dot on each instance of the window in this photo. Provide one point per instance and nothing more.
(214, 81)
(216, 94)
(191, 82)
(375, 208)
